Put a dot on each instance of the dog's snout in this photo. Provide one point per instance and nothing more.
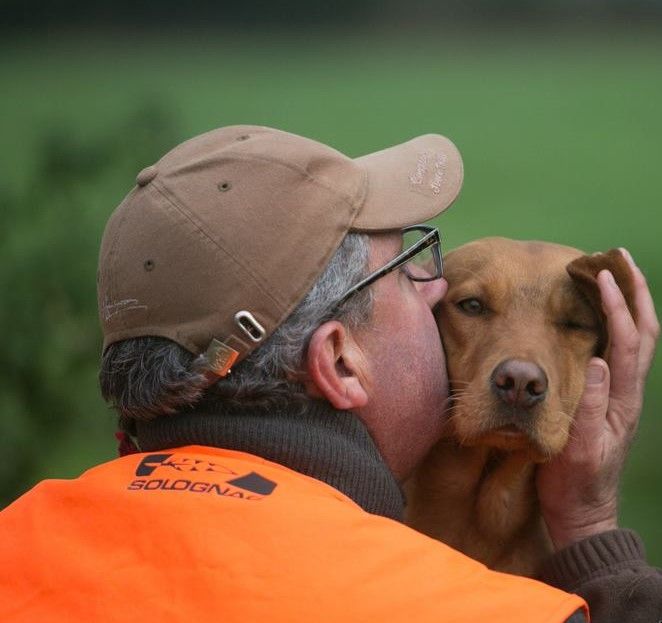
(519, 383)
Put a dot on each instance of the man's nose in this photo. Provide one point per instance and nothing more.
(432, 291)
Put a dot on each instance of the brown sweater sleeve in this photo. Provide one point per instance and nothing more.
(610, 572)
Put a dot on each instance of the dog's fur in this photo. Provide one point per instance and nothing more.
(519, 324)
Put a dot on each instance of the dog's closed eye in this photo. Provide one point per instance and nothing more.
(570, 324)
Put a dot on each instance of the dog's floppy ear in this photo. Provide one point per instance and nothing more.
(584, 272)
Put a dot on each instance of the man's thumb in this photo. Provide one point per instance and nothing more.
(595, 398)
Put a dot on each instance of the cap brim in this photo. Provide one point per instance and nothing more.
(409, 183)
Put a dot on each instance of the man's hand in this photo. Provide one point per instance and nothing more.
(579, 489)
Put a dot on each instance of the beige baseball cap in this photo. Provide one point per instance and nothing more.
(225, 234)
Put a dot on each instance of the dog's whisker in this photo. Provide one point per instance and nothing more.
(457, 382)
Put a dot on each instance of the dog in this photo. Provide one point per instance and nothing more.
(519, 324)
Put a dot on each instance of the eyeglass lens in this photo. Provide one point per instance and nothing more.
(423, 265)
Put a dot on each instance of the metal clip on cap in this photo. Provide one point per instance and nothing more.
(251, 327)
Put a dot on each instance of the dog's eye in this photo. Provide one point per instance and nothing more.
(573, 325)
(471, 307)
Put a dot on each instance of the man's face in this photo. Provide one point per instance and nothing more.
(408, 388)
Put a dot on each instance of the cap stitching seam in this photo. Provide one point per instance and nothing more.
(312, 278)
(351, 201)
(190, 217)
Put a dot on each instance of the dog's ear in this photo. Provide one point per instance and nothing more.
(584, 272)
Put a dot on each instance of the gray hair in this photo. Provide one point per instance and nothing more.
(146, 377)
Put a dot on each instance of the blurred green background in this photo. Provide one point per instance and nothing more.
(557, 113)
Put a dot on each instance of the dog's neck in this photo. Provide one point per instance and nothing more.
(505, 491)
(489, 501)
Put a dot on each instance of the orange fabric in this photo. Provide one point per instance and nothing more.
(200, 534)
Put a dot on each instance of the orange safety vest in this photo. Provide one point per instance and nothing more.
(200, 534)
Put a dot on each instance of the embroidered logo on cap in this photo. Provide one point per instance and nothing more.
(430, 171)
(110, 309)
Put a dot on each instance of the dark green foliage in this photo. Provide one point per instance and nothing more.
(48, 250)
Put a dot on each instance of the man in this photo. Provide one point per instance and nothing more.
(271, 350)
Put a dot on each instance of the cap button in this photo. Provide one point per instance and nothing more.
(146, 175)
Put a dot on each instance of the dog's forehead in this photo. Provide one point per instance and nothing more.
(503, 254)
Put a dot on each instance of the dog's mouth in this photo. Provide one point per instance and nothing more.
(533, 431)
(508, 437)
(514, 438)
(509, 431)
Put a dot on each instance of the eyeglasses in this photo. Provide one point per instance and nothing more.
(420, 259)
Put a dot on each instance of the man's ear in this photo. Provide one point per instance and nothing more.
(584, 272)
(336, 368)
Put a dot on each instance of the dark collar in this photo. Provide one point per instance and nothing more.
(332, 446)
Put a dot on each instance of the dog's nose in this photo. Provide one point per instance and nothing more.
(519, 383)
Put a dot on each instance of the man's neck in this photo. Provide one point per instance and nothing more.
(329, 445)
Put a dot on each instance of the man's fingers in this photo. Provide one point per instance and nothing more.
(647, 321)
(625, 340)
(592, 409)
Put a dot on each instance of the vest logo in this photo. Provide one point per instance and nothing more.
(251, 486)
(150, 463)
(180, 463)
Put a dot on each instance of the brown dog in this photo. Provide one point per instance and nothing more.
(519, 324)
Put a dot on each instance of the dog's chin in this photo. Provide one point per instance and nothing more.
(505, 438)
(511, 439)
